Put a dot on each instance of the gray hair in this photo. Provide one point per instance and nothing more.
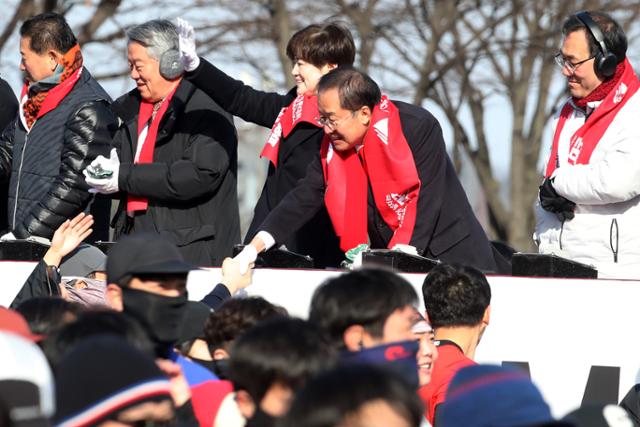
(157, 35)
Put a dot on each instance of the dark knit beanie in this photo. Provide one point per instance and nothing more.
(102, 376)
(493, 396)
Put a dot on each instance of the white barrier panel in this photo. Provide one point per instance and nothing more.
(560, 327)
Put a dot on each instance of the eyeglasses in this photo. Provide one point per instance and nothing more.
(572, 67)
(333, 124)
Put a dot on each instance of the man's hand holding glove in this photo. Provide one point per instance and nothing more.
(102, 174)
(551, 201)
(187, 43)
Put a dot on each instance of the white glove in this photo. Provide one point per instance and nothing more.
(246, 258)
(187, 42)
(7, 237)
(106, 185)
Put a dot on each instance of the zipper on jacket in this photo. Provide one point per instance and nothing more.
(560, 236)
(614, 224)
(15, 206)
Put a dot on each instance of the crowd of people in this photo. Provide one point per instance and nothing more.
(112, 339)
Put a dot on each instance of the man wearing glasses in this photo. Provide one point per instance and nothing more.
(384, 175)
(588, 203)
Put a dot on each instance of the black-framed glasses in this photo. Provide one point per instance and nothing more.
(572, 67)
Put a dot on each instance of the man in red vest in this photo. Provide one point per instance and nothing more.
(385, 177)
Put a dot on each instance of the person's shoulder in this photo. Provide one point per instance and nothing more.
(414, 113)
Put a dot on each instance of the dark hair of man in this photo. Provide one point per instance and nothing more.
(92, 323)
(235, 317)
(614, 37)
(48, 31)
(334, 397)
(45, 315)
(455, 295)
(280, 350)
(364, 297)
(355, 88)
(320, 45)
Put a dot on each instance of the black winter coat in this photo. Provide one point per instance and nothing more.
(191, 183)
(446, 227)
(8, 111)
(316, 237)
(45, 165)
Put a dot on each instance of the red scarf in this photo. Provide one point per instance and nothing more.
(585, 139)
(388, 163)
(137, 203)
(303, 109)
(40, 102)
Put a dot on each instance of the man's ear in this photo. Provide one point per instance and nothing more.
(353, 337)
(113, 295)
(54, 59)
(364, 115)
(486, 317)
(219, 354)
(246, 405)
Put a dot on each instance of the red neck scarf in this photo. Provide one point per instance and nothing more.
(387, 161)
(303, 109)
(46, 95)
(599, 93)
(149, 114)
(585, 139)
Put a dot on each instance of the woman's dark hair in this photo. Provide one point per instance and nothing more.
(48, 31)
(332, 397)
(319, 45)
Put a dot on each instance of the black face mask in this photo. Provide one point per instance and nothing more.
(210, 365)
(221, 368)
(261, 419)
(160, 316)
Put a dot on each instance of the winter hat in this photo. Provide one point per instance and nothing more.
(102, 376)
(144, 253)
(82, 261)
(599, 416)
(493, 396)
(26, 383)
(14, 322)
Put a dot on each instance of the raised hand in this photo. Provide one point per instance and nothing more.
(67, 237)
(187, 42)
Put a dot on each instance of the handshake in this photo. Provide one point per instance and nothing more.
(552, 202)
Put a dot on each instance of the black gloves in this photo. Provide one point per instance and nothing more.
(553, 202)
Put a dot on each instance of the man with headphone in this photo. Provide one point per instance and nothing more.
(174, 164)
(589, 201)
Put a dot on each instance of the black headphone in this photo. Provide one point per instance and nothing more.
(170, 65)
(605, 62)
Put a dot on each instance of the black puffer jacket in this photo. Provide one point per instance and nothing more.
(45, 164)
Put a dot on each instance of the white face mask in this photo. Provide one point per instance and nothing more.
(91, 295)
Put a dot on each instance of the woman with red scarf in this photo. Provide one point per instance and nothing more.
(589, 201)
(295, 132)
